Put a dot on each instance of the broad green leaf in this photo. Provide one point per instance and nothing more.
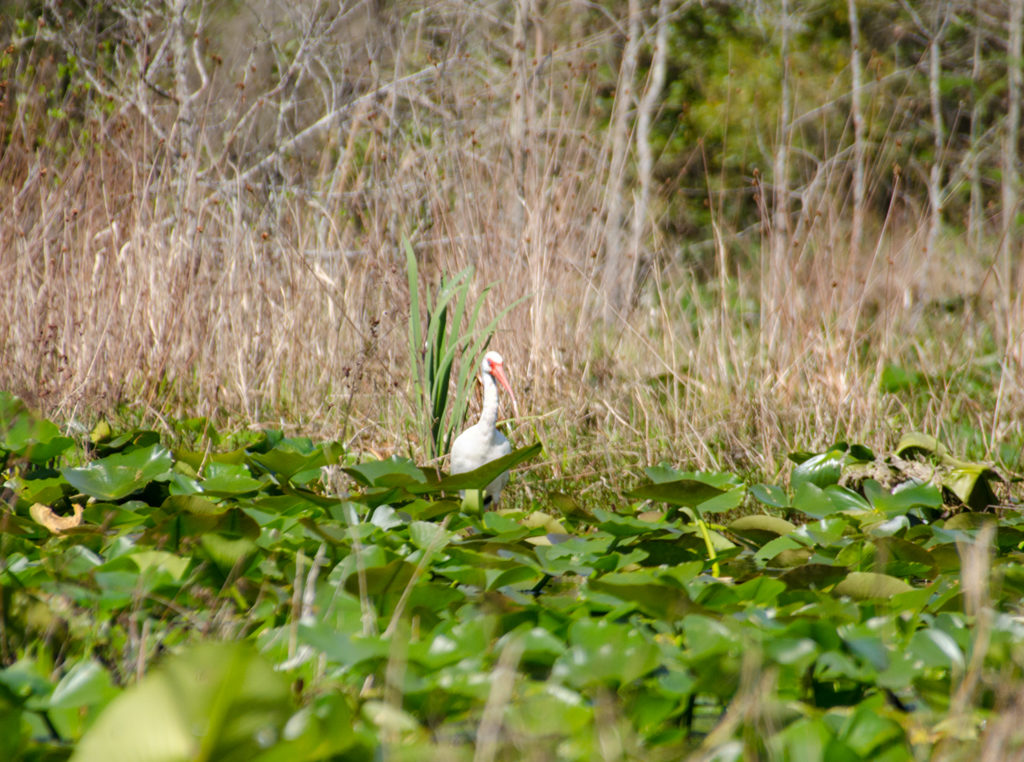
(897, 549)
(292, 456)
(915, 441)
(227, 550)
(229, 479)
(392, 472)
(625, 526)
(389, 718)
(174, 565)
(861, 453)
(196, 460)
(937, 649)
(780, 544)
(346, 649)
(428, 536)
(760, 590)
(663, 473)
(885, 528)
(846, 500)
(813, 576)
(130, 440)
(193, 504)
(659, 601)
(868, 732)
(760, 529)
(25, 434)
(39, 489)
(86, 684)
(791, 557)
(387, 518)
(899, 502)
(771, 495)
(970, 483)
(540, 646)
(863, 586)
(794, 652)
(498, 523)
(213, 701)
(706, 636)
(393, 577)
(828, 532)
(728, 500)
(524, 576)
(481, 477)
(688, 493)
(812, 500)
(969, 520)
(121, 474)
(805, 739)
(322, 729)
(819, 470)
(601, 651)
(550, 710)
(719, 479)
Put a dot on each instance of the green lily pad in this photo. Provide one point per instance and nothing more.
(918, 442)
(899, 502)
(814, 501)
(625, 526)
(223, 698)
(121, 474)
(428, 536)
(820, 470)
(970, 483)
(761, 529)
(481, 477)
(687, 493)
(864, 586)
(812, 576)
(292, 456)
(393, 577)
(25, 434)
(228, 479)
(392, 472)
(659, 601)
(771, 495)
(601, 651)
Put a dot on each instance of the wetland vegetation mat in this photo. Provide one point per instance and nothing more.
(282, 601)
(763, 244)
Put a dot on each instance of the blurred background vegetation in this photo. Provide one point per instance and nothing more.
(737, 225)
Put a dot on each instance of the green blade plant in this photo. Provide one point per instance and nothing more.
(451, 325)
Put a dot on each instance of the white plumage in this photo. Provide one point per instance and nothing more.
(482, 442)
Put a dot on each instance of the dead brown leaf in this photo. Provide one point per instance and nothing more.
(43, 514)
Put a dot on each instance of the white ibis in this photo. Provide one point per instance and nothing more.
(482, 442)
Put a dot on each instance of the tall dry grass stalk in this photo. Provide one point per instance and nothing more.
(235, 251)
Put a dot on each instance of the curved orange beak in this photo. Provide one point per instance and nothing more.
(499, 373)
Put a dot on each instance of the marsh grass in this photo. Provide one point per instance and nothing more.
(261, 289)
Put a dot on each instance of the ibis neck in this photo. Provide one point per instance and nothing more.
(489, 411)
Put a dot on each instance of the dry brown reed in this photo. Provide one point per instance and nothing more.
(259, 279)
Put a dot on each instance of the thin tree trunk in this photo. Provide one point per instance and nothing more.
(975, 212)
(615, 270)
(779, 274)
(645, 157)
(938, 139)
(1011, 159)
(519, 119)
(185, 123)
(857, 113)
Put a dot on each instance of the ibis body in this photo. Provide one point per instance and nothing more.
(482, 442)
